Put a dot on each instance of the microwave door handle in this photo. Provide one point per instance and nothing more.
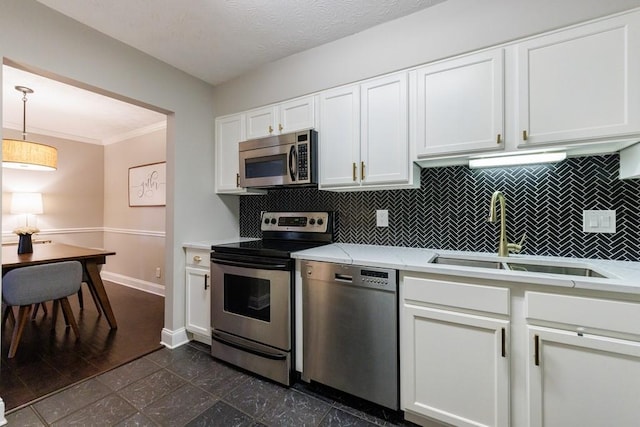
(293, 163)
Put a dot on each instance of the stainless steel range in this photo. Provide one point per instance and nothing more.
(253, 293)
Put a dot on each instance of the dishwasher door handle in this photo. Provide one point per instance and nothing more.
(343, 278)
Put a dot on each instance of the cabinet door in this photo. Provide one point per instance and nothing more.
(454, 366)
(297, 114)
(339, 137)
(261, 122)
(198, 310)
(384, 149)
(229, 132)
(580, 84)
(586, 381)
(460, 105)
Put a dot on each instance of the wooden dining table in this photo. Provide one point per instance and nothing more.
(56, 252)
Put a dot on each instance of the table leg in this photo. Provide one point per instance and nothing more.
(95, 282)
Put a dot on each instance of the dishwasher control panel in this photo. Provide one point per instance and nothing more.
(369, 277)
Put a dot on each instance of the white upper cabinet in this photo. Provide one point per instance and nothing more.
(384, 139)
(460, 105)
(363, 134)
(580, 84)
(339, 136)
(229, 132)
(289, 116)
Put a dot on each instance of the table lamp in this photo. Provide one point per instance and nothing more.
(27, 204)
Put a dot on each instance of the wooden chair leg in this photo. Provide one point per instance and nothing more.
(23, 316)
(66, 309)
(8, 314)
(54, 314)
(35, 310)
(80, 298)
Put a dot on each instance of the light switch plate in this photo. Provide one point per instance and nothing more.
(382, 218)
(599, 221)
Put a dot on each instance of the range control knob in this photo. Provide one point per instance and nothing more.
(266, 220)
(320, 221)
(312, 221)
(273, 221)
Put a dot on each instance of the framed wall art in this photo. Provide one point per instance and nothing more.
(148, 185)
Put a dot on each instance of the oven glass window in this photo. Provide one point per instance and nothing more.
(247, 296)
(262, 167)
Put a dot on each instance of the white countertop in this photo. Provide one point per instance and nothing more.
(623, 276)
(206, 244)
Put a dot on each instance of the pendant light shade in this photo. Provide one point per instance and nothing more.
(18, 154)
(22, 154)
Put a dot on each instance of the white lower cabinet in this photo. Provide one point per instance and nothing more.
(198, 295)
(454, 350)
(580, 371)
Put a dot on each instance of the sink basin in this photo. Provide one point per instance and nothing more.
(555, 269)
(465, 262)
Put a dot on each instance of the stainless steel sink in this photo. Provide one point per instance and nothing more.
(465, 262)
(555, 269)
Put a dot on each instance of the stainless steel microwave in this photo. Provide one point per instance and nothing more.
(282, 160)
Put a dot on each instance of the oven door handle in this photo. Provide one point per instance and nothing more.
(250, 264)
(276, 355)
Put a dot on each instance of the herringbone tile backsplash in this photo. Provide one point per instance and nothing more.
(450, 209)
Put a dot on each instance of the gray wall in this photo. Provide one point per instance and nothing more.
(44, 41)
(447, 29)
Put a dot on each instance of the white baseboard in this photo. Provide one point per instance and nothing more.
(143, 285)
(3, 420)
(172, 339)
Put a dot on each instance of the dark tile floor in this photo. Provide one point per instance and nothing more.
(186, 386)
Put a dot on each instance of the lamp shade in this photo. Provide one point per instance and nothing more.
(19, 154)
(26, 203)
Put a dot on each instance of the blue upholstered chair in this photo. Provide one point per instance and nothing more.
(26, 286)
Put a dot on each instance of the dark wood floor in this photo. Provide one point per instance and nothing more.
(47, 361)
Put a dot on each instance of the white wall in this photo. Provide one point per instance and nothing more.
(447, 29)
(41, 40)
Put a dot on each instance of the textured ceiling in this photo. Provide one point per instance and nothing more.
(214, 40)
(217, 40)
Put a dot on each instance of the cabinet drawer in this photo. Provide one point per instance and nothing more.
(608, 315)
(200, 257)
(472, 297)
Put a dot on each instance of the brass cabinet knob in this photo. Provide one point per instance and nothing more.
(197, 258)
(270, 129)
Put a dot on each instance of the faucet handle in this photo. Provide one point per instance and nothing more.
(517, 247)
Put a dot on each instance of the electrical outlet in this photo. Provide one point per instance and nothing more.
(158, 272)
(382, 218)
(599, 221)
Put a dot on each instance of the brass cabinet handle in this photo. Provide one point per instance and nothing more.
(197, 258)
(536, 344)
(504, 343)
(524, 135)
(361, 171)
(499, 139)
(206, 285)
(354, 171)
(270, 129)
(280, 127)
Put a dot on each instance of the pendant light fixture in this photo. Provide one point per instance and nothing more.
(22, 154)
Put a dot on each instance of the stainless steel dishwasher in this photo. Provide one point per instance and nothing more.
(350, 330)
